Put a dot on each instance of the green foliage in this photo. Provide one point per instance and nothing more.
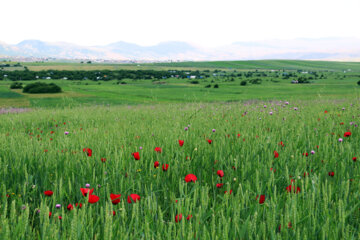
(16, 85)
(216, 86)
(358, 82)
(243, 83)
(39, 87)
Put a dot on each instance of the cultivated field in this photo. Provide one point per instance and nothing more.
(177, 160)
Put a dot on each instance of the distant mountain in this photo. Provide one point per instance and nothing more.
(303, 49)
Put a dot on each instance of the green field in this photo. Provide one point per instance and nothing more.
(289, 156)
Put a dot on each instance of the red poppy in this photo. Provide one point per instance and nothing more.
(114, 213)
(331, 174)
(85, 191)
(190, 178)
(156, 164)
(48, 193)
(88, 151)
(276, 154)
(306, 174)
(326, 111)
(341, 123)
(181, 143)
(347, 134)
(305, 154)
(136, 155)
(51, 132)
(281, 144)
(291, 188)
(70, 207)
(262, 199)
(78, 205)
(219, 185)
(165, 167)
(133, 198)
(354, 159)
(93, 199)
(189, 217)
(50, 213)
(158, 149)
(115, 198)
(178, 217)
(209, 141)
(59, 217)
(273, 169)
(220, 173)
(103, 160)
(238, 135)
(230, 192)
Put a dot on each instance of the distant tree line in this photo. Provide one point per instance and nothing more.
(103, 75)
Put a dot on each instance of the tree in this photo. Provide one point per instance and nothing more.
(358, 82)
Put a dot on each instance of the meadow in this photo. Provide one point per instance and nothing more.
(180, 161)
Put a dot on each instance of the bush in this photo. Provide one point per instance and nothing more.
(216, 86)
(39, 87)
(16, 85)
(243, 83)
(208, 86)
(194, 82)
(358, 83)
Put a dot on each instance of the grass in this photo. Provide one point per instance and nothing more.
(223, 65)
(37, 156)
(246, 125)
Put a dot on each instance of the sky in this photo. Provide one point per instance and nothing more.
(148, 22)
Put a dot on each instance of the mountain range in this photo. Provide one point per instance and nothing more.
(345, 49)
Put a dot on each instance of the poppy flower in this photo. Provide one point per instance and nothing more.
(158, 149)
(93, 199)
(305, 154)
(88, 151)
(331, 174)
(209, 141)
(230, 192)
(326, 111)
(48, 193)
(136, 155)
(50, 213)
(85, 191)
(114, 213)
(78, 205)
(165, 167)
(133, 198)
(115, 198)
(219, 185)
(262, 199)
(238, 135)
(276, 154)
(189, 217)
(103, 160)
(70, 207)
(281, 144)
(190, 178)
(178, 217)
(354, 159)
(220, 173)
(291, 188)
(59, 217)
(347, 134)
(341, 123)
(181, 143)
(156, 164)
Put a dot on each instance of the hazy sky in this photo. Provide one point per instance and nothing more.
(148, 22)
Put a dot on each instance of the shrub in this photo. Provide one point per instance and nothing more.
(16, 85)
(208, 86)
(243, 83)
(39, 87)
(358, 83)
(194, 82)
(216, 86)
